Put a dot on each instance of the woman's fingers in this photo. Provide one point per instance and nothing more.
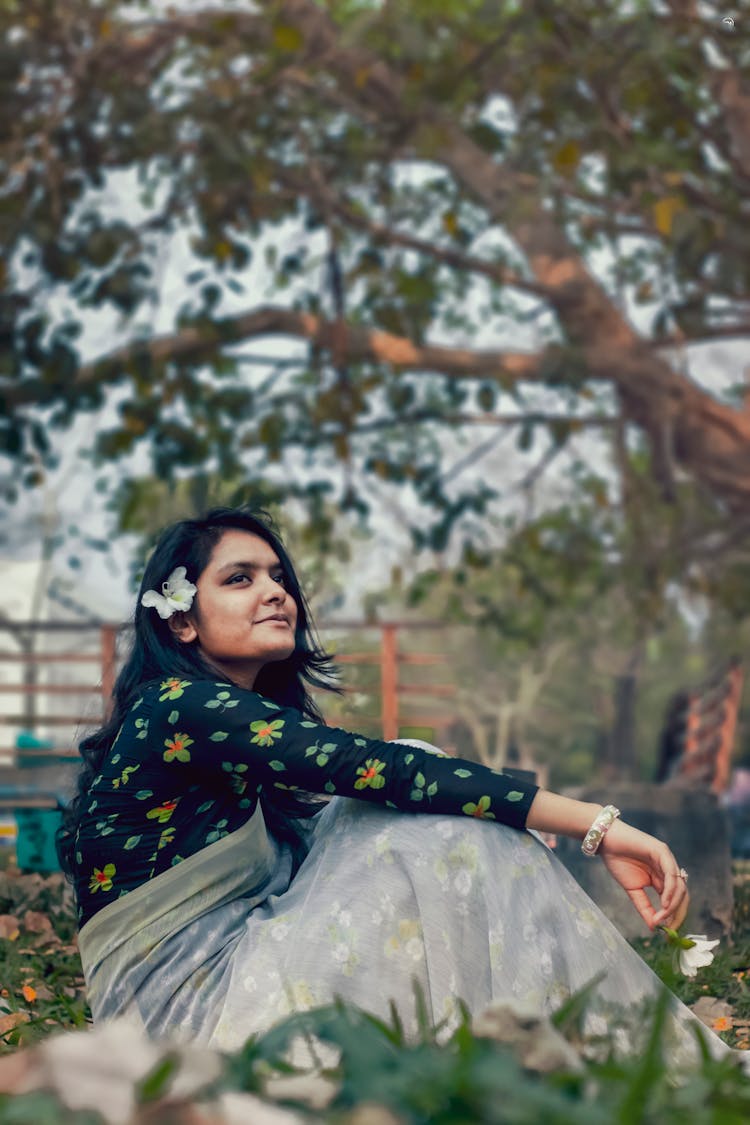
(674, 900)
(642, 903)
(670, 890)
(681, 911)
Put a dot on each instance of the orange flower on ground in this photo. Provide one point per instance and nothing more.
(722, 1023)
(29, 993)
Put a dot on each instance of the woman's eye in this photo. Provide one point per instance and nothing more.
(236, 578)
(280, 579)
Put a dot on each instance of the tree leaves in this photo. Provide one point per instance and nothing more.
(227, 146)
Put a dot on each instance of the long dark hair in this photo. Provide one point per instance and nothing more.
(156, 652)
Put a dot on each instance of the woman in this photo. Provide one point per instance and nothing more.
(216, 894)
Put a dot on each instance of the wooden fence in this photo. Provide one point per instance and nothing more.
(85, 666)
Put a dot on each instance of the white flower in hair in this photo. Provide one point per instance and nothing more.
(176, 596)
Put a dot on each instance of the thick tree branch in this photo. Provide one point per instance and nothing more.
(706, 437)
(195, 345)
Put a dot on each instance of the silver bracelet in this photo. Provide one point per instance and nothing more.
(599, 830)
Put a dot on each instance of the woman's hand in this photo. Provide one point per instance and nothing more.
(637, 860)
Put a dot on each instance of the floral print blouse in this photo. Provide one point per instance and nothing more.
(192, 757)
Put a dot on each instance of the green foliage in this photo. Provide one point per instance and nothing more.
(470, 1078)
(38, 953)
(338, 144)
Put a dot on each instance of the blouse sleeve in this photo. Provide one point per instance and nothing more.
(221, 729)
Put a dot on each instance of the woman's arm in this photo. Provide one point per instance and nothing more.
(634, 858)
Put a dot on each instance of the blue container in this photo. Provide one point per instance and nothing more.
(35, 841)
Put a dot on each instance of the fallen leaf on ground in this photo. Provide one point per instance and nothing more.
(36, 922)
(13, 1019)
(9, 927)
(711, 1008)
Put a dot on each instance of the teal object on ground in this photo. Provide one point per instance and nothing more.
(35, 828)
(35, 841)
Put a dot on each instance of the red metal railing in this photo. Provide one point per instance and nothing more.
(100, 644)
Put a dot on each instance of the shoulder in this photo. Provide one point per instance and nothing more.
(179, 694)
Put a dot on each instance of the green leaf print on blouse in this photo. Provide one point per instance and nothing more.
(218, 831)
(370, 775)
(104, 827)
(322, 753)
(223, 700)
(124, 777)
(514, 795)
(142, 728)
(480, 809)
(266, 732)
(163, 813)
(421, 788)
(173, 688)
(101, 880)
(177, 747)
(236, 780)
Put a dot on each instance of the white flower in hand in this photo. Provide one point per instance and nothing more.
(176, 596)
(696, 955)
(691, 952)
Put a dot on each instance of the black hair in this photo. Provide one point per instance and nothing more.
(156, 652)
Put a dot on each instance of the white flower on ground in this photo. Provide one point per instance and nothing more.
(176, 596)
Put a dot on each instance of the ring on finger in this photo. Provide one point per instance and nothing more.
(682, 873)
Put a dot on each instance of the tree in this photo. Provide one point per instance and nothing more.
(414, 173)
(557, 658)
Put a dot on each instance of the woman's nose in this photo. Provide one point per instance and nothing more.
(273, 591)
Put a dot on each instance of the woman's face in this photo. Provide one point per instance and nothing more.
(242, 617)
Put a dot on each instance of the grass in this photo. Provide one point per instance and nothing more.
(42, 983)
(727, 978)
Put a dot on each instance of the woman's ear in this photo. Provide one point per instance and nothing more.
(183, 628)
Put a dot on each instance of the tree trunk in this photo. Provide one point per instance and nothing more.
(622, 762)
